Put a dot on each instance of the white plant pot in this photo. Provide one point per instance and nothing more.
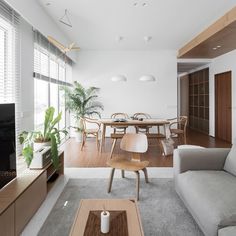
(37, 146)
(78, 137)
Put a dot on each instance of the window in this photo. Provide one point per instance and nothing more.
(9, 61)
(50, 74)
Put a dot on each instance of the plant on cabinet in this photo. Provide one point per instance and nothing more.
(50, 136)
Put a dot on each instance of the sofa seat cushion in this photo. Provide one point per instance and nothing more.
(227, 231)
(211, 198)
(230, 162)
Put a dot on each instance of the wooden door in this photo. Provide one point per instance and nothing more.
(223, 108)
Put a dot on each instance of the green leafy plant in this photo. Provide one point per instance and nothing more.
(49, 134)
(82, 102)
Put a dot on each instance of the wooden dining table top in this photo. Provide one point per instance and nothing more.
(134, 122)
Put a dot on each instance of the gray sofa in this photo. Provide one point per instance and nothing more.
(205, 180)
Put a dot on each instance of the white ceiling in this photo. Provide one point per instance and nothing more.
(170, 23)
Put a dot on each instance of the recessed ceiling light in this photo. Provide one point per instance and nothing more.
(218, 46)
(147, 38)
(214, 48)
(119, 38)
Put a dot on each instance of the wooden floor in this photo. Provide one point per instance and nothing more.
(90, 157)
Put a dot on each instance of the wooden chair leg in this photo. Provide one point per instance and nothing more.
(97, 141)
(111, 179)
(83, 141)
(145, 174)
(161, 147)
(122, 173)
(113, 147)
(185, 140)
(137, 184)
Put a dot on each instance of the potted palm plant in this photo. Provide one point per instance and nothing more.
(49, 136)
(82, 102)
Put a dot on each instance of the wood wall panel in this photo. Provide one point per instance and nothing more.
(221, 33)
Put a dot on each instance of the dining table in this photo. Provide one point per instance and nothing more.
(131, 122)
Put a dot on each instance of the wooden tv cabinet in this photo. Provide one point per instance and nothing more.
(21, 198)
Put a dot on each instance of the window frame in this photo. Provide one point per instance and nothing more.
(60, 64)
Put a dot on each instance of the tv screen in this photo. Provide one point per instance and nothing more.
(7, 144)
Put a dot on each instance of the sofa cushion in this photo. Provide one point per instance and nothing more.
(210, 197)
(230, 162)
(227, 231)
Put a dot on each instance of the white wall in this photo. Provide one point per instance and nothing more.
(159, 98)
(221, 64)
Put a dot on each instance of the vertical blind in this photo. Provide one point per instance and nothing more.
(10, 61)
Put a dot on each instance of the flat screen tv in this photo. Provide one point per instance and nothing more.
(7, 144)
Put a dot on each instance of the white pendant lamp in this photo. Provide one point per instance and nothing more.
(119, 78)
(147, 78)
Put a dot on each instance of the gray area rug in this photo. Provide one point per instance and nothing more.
(162, 211)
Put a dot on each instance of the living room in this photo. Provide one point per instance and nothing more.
(120, 117)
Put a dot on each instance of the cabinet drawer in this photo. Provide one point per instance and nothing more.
(29, 202)
(7, 224)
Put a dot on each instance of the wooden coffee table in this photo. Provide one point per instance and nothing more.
(128, 205)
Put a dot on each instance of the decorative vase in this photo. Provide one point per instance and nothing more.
(105, 222)
(38, 145)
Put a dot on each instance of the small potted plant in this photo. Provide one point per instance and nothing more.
(82, 102)
(50, 135)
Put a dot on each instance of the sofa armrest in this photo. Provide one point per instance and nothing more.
(199, 159)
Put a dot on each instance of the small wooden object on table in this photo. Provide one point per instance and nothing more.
(120, 209)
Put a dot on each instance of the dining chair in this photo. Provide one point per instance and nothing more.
(134, 144)
(121, 128)
(93, 129)
(178, 128)
(140, 116)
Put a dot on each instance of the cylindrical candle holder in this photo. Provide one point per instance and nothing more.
(105, 222)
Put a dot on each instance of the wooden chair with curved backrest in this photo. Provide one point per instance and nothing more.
(94, 131)
(134, 144)
(142, 129)
(122, 128)
(178, 128)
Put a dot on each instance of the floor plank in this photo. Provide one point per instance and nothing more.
(90, 157)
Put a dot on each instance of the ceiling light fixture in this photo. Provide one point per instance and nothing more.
(147, 78)
(119, 38)
(218, 46)
(214, 48)
(65, 19)
(119, 78)
(147, 38)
